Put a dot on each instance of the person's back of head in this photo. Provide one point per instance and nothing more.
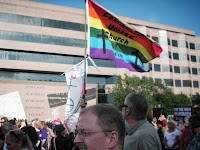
(138, 105)
(12, 121)
(109, 118)
(6, 127)
(5, 119)
(59, 130)
(194, 121)
(31, 132)
(38, 125)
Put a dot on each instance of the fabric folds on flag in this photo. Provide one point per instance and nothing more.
(75, 80)
(112, 38)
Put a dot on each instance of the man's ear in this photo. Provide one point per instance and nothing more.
(127, 111)
(114, 137)
(19, 144)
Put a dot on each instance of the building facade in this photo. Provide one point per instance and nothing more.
(38, 42)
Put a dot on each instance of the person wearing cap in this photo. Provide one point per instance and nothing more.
(194, 125)
(172, 136)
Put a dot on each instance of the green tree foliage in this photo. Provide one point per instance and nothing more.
(157, 93)
(196, 99)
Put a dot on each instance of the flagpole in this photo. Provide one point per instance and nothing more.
(85, 57)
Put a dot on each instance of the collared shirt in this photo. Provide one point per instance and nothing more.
(142, 136)
(194, 143)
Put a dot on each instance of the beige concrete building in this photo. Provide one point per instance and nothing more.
(38, 42)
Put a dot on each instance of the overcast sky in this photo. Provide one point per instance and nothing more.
(178, 13)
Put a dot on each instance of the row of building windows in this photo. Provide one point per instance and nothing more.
(177, 83)
(181, 56)
(175, 69)
(51, 58)
(30, 76)
(66, 59)
(34, 21)
(39, 38)
(46, 39)
(43, 22)
(176, 43)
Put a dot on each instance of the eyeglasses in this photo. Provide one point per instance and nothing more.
(2, 122)
(82, 134)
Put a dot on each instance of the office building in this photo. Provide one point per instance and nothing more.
(38, 42)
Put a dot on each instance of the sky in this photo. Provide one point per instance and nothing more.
(178, 13)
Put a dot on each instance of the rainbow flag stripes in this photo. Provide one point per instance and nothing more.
(112, 38)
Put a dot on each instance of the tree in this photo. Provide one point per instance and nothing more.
(157, 93)
(196, 99)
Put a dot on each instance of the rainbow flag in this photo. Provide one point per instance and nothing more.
(112, 38)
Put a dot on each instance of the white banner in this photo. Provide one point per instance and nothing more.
(75, 80)
(11, 106)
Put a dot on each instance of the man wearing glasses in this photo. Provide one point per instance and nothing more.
(141, 135)
(100, 127)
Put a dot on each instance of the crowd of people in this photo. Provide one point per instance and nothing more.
(104, 127)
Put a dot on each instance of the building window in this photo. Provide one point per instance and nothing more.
(44, 39)
(178, 83)
(194, 71)
(185, 70)
(182, 44)
(187, 83)
(193, 58)
(30, 76)
(187, 44)
(147, 66)
(184, 56)
(195, 84)
(174, 43)
(150, 66)
(176, 69)
(176, 56)
(168, 82)
(167, 68)
(192, 46)
(51, 58)
(158, 80)
(168, 40)
(34, 21)
(170, 55)
(198, 46)
(156, 67)
(155, 38)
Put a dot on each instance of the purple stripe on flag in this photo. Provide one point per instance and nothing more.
(98, 53)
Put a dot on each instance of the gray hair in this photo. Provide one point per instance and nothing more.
(138, 105)
(172, 122)
(109, 118)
